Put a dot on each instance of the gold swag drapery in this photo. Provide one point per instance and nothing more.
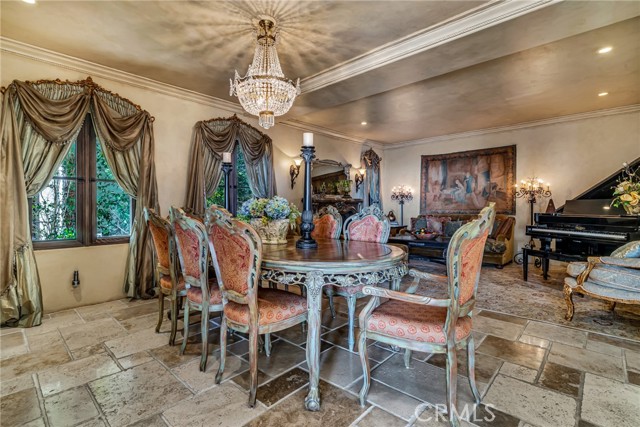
(213, 137)
(39, 122)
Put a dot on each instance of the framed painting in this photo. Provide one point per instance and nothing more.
(463, 183)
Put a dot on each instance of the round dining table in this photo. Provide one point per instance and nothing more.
(334, 262)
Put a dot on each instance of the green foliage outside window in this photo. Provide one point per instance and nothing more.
(242, 183)
(113, 205)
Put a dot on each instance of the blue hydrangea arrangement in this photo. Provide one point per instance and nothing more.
(268, 209)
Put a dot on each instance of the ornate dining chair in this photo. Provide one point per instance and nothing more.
(166, 276)
(203, 294)
(422, 323)
(369, 225)
(237, 257)
(327, 224)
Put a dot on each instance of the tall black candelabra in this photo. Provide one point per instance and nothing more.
(306, 241)
(402, 194)
(226, 168)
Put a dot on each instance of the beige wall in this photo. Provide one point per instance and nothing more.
(572, 156)
(102, 268)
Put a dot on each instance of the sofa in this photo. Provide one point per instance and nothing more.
(614, 278)
(499, 248)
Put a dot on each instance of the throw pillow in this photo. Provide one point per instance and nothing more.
(495, 246)
(451, 227)
(420, 224)
(630, 250)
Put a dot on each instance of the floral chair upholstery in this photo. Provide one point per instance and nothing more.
(369, 225)
(237, 257)
(167, 277)
(327, 224)
(432, 325)
(614, 278)
(203, 294)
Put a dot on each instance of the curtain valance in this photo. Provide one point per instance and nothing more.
(40, 121)
(213, 137)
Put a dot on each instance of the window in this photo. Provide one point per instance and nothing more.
(238, 184)
(82, 204)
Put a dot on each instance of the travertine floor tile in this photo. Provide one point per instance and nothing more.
(70, 407)
(44, 341)
(499, 328)
(96, 311)
(137, 393)
(379, 418)
(283, 357)
(155, 421)
(547, 331)
(60, 320)
(503, 317)
(170, 355)
(92, 333)
(190, 372)
(389, 399)
(15, 385)
(610, 403)
(279, 388)
(76, 373)
(485, 366)
(530, 339)
(604, 348)
(340, 367)
(518, 372)
(20, 407)
(12, 345)
(532, 404)
(633, 360)
(222, 406)
(338, 408)
(513, 351)
(33, 362)
(96, 422)
(561, 378)
(618, 342)
(136, 342)
(135, 359)
(137, 310)
(90, 350)
(588, 361)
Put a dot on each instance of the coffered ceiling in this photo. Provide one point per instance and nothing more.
(410, 69)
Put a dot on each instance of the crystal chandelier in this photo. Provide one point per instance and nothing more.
(264, 91)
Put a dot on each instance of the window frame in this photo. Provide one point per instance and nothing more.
(86, 198)
(233, 180)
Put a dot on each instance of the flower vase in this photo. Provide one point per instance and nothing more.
(273, 232)
(632, 210)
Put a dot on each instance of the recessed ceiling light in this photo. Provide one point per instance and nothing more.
(606, 49)
(363, 123)
(603, 94)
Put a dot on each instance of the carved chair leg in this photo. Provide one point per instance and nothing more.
(223, 348)
(351, 303)
(471, 368)
(253, 365)
(185, 333)
(160, 310)
(364, 359)
(452, 384)
(174, 320)
(267, 344)
(568, 298)
(329, 293)
(204, 333)
(407, 358)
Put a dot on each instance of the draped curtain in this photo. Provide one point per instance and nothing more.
(39, 123)
(371, 162)
(213, 137)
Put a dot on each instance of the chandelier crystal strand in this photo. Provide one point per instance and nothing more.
(264, 91)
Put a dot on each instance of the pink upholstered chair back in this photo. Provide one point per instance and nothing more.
(464, 257)
(237, 254)
(328, 224)
(369, 225)
(191, 242)
(160, 230)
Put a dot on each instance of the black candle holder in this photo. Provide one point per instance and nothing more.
(226, 168)
(306, 241)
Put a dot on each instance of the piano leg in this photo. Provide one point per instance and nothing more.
(525, 263)
(545, 268)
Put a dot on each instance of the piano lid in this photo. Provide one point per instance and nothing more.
(602, 190)
(593, 207)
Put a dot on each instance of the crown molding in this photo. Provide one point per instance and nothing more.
(525, 125)
(296, 124)
(61, 60)
(477, 20)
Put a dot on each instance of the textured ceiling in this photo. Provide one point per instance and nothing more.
(540, 65)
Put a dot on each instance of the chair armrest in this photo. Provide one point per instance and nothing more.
(403, 296)
(621, 262)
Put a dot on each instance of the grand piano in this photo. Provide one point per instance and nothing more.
(585, 226)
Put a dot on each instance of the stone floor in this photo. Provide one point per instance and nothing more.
(104, 365)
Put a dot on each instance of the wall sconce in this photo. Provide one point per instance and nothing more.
(360, 178)
(294, 171)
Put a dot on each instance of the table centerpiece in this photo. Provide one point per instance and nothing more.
(627, 191)
(271, 218)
